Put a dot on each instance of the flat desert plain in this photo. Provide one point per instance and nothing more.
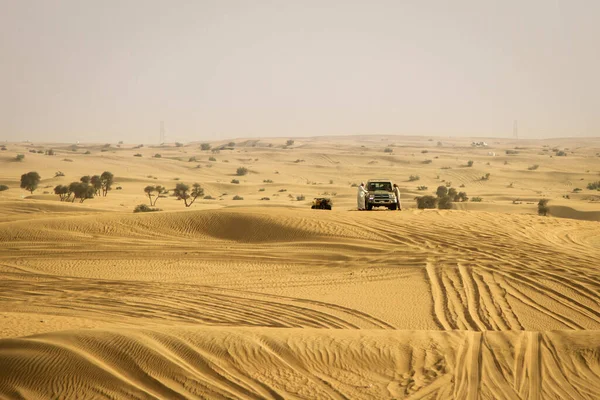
(268, 299)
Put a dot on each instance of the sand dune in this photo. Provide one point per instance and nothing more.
(270, 299)
(301, 363)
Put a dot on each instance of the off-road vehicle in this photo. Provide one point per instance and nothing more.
(381, 194)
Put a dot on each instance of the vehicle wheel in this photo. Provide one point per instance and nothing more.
(313, 207)
(328, 207)
(369, 206)
(392, 207)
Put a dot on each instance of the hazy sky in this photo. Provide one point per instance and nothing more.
(111, 70)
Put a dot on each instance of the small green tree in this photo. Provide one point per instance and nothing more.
(85, 179)
(470, 163)
(20, 157)
(81, 191)
(106, 181)
(62, 192)
(96, 182)
(242, 171)
(205, 146)
(445, 203)
(154, 191)
(30, 181)
(182, 192)
(289, 142)
(452, 194)
(441, 191)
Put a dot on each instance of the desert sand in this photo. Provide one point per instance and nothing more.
(269, 299)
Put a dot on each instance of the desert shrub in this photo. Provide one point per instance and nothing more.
(88, 152)
(192, 159)
(241, 171)
(388, 150)
(441, 191)
(486, 177)
(205, 146)
(20, 157)
(476, 199)
(3, 188)
(176, 179)
(236, 197)
(543, 208)
(422, 188)
(183, 192)
(424, 202)
(30, 181)
(32, 151)
(157, 155)
(354, 185)
(225, 160)
(282, 190)
(58, 173)
(533, 167)
(261, 189)
(445, 203)
(267, 181)
(144, 208)
(137, 155)
(470, 163)
(424, 151)
(212, 159)
(413, 178)
(119, 188)
(235, 181)
(448, 184)
(511, 152)
(289, 142)
(67, 160)
(427, 161)
(298, 161)
(231, 144)
(265, 198)
(577, 190)
(177, 144)
(101, 150)
(40, 151)
(439, 144)
(593, 186)
(208, 197)
(50, 152)
(300, 197)
(561, 153)
(3, 148)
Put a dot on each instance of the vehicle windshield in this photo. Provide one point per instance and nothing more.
(373, 186)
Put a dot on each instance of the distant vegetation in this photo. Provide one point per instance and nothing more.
(512, 152)
(388, 150)
(236, 197)
(476, 199)
(289, 142)
(30, 181)
(533, 167)
(413, 178)
(3, 188)
(205, 146)
(470, 163)
(212, 159)
(157, 155)
(242, 171)
(20, 157)
(300, 197)
(235, 181)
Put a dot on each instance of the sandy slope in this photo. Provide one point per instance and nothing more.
(269, 299)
